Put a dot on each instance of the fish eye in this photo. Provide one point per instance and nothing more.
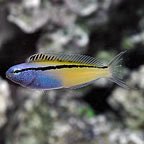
(16, 71)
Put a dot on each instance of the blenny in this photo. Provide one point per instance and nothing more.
(55, 71)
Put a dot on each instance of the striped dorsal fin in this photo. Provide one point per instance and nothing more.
(71, 58)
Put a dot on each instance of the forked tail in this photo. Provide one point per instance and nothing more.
(115, 69)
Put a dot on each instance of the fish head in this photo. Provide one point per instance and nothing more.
(19, 75)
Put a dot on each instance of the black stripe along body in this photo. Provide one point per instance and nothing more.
(58, 67)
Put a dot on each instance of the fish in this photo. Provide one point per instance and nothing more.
(56, 71)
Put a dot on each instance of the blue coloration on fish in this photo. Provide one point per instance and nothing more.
(32, 78)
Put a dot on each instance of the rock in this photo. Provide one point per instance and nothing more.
(64, 40)
(126, 137)
(31, 16)
(82, 7)
(5, 101)
(137, 38)
(137, 79)
(130, 102)
(53, 117)
(7, 31)
(28, 16)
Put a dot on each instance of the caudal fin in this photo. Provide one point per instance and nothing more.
(115, 69)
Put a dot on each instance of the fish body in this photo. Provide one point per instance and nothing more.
(55, 71)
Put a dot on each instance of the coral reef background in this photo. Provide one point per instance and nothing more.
(101, 113)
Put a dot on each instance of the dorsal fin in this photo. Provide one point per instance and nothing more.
(73, 58)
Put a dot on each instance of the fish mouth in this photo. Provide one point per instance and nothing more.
(8, 75)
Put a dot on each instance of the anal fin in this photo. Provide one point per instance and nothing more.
(81, 85)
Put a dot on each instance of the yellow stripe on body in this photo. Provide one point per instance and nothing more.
(76, 76)
(61, 63)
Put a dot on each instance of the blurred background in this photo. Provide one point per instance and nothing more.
(101, 113)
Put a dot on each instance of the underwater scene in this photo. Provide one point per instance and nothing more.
(71, 71)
